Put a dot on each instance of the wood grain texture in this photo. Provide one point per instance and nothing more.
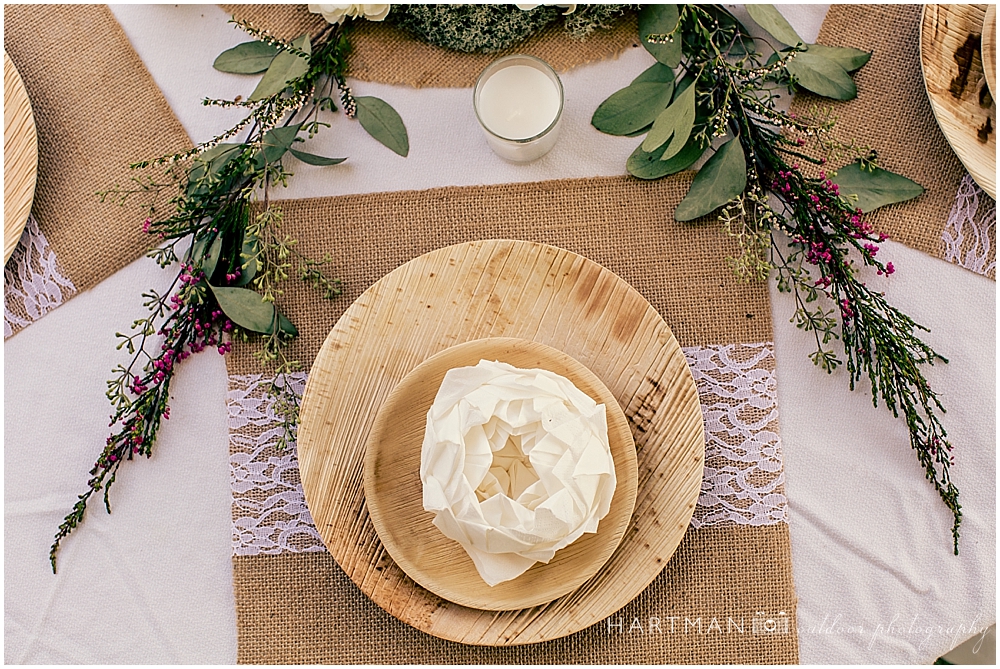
(952, 65)
(989, 48)
(501, 288)
(20, 157)
(393, 489)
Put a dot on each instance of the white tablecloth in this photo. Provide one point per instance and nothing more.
(152, 583)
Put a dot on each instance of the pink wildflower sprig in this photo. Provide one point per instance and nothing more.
(230, 258)
(192, 322)
(831, 238)
(757, 186)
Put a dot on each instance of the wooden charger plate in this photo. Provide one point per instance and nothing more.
(952, 65)
(20, 157)
(393, 490)
(501, 288)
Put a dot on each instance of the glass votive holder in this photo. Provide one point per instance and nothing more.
(519, 101)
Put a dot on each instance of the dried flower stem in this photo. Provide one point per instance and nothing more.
(215, 186)
(832, 243)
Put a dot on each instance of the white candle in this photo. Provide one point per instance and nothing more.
(518, 100)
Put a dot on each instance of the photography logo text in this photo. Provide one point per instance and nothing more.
(761, 623)
(764, 624)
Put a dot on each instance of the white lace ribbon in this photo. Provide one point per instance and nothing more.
(968, 236)
(269, 507)
(744, 473)
(33, 282)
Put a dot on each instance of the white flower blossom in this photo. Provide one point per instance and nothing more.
(339, 13)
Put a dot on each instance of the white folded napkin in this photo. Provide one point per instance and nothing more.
(515, 465)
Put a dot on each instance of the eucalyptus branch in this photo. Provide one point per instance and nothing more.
(231, 275)
(712, 88)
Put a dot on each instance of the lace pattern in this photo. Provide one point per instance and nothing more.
(269, 507)
(744, 474)
(33, 282)
(968, 234)
(743, 481)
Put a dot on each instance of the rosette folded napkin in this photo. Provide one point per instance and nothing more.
(515, 465)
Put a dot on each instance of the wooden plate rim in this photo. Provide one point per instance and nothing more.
(18, 208)
(988, 48)
(980, 174)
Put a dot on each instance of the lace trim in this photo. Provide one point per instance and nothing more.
(744, 474)
(33, 285)
(968, 236)
(743, 484)
(269, 507)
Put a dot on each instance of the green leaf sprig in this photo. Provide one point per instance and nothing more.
(231, 273)
(712, 95)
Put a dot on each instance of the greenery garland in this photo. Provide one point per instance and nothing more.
(491, 28)
(218, 199)
(713, 93)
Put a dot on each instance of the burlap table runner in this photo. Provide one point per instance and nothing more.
(97, 109)
(893, 115)
(381, 52)
(294, 604)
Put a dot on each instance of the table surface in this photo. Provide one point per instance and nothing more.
(152, 582)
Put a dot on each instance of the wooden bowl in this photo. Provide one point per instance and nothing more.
(20, 155)
(393, 490)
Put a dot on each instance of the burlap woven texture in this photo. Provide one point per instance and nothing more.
(97, 109)
(620, 222)
(301, 608)
(383, 53)
(893, 115)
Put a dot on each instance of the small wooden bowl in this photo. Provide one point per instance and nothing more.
(393, 491)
